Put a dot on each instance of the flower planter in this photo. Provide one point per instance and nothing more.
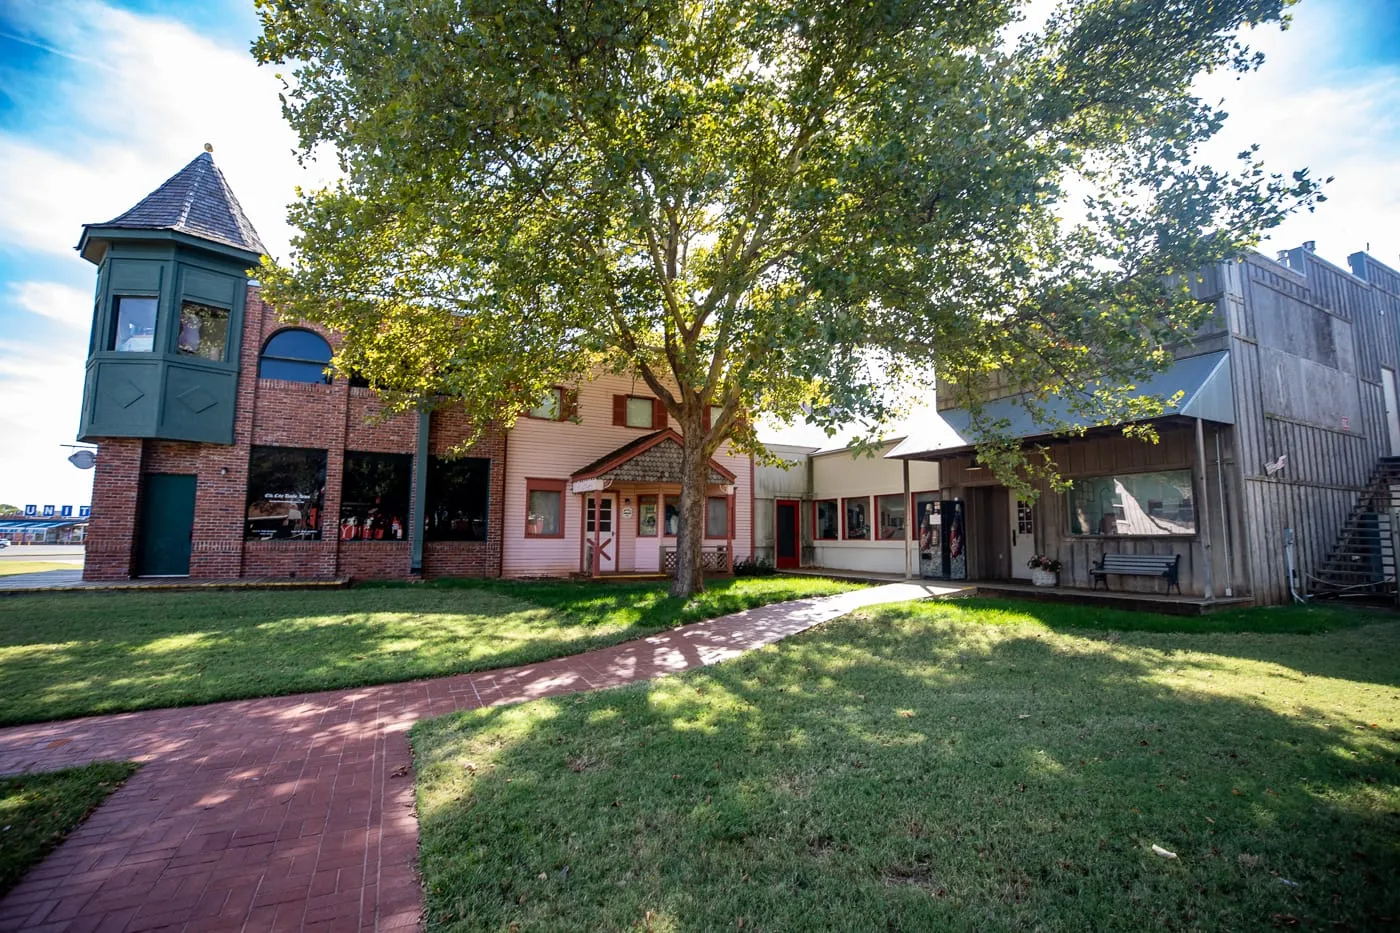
(1044, 577)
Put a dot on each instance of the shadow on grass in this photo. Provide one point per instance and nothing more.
(72, 654)
(889, 773)
(1235, 633)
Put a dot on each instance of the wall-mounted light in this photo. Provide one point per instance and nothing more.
(223, 471)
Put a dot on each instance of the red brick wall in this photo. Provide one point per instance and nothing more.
(334, 418)
(111, 527)
(447, 427)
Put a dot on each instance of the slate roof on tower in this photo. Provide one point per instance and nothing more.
(196, 201)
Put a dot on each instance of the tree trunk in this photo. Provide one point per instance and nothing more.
(690, 534)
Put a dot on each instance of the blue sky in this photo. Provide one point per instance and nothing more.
(101, 101)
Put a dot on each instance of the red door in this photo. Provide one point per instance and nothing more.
(788, 536)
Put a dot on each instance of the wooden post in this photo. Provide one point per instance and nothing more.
(729, 528)
(597, 515)
(908, 525)
(1203, 511)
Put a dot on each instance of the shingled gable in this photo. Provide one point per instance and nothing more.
(196, 201)
(654, 458)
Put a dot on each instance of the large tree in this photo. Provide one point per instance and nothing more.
(788, 208)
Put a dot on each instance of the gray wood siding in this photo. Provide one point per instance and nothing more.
(1308, 345)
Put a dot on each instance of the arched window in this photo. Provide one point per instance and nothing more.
(296, 355)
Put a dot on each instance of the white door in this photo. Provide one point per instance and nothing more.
(1022, 537)
(601, 510)
(1392, 412)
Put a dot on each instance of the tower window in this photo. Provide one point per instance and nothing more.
(135, 328)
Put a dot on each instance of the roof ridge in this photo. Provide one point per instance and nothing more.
(199, 163)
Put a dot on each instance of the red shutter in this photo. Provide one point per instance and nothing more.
(620, 410)
(705, 419)
(658, 414)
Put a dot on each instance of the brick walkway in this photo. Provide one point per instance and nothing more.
(296, 813)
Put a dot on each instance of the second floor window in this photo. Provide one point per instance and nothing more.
(134, 330)
(203, 331)
(296, 355)
(551, 407)
(638, 411)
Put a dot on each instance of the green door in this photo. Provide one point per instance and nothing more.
(167, 525)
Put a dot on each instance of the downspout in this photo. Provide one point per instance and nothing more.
(420, 495)
(1204, 512)
(1224, 519)
(908, 525)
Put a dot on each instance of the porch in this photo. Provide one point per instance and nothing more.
(628, 503)
(1009, 589)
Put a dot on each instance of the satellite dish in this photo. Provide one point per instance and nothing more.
(83, 459)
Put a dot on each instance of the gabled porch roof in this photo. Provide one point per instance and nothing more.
(652, 458)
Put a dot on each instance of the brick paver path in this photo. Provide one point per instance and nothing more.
(296, 813)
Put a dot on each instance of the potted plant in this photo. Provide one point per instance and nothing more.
(1045, 570)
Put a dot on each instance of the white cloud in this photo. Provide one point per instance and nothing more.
(1311, 106)
(141, 98)
(43, 388)
(65, 304)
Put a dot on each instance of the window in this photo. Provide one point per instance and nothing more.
(458, 493)
(1025, 524)
(135, 327)
(544, 508)
(296, 355)
(604, 509)
(635, 411)
(828, 520)
(285, 486)
(671, 517)
(203, 331)
(1133, 504)
(890, 510)
(857, 513)
(712, 416)
(717, 517)
(374, 499)
(551, 407)
(646, 516)
(639, 412)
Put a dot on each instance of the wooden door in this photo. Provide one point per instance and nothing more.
(601, 509)
(167, 525)
(787, 537)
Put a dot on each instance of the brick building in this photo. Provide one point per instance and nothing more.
(227, 448)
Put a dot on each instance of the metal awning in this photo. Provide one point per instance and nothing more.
(1204, 382)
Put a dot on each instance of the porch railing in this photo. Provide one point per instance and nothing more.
(713, 559)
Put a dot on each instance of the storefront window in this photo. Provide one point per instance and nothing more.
(717, 517)
(891, 515)
(135, 328)
(285, 486)
(374, 501)
(857, 518)
(203, 331)
(1155, 504)
(646, 516)
(828, 520)
(458, 494)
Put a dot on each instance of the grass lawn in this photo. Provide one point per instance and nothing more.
(943, 766)
(72, 654)
(38, 810)
(9, 568)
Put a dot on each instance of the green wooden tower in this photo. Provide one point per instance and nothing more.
(167, 324)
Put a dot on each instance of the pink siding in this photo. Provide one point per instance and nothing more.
(556, 449)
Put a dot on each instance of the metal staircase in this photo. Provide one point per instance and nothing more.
(1363, 562)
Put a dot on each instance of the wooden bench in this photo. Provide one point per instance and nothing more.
(1139, 565)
